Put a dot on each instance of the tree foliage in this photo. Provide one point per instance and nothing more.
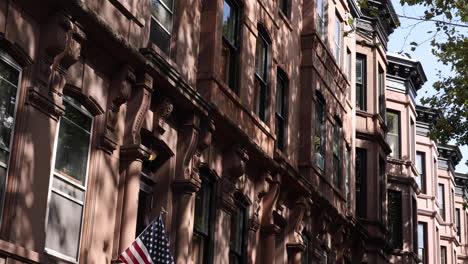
(450, 45)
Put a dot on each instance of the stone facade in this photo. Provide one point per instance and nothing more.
(236, 120)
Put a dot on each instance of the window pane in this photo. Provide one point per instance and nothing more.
(229, 22)
(162, 15)
(8, 73)
(225, 62)
(72, 151)
(7, 110)
(2, 187)
(68, 189)
(261, 56)
(168, 3)
(63, 225)
(395, 218)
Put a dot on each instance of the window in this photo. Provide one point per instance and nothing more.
(381, 84)
(348, 68)
(320, 131)
(238, 243)
(422, 242)
(338, 40)
(361, 84)
(442, 201)
(421, 167)
(361, 182)
(321, 22)
(393, 135)
(337, 154)
(348, 175)
(281, 110)
(443, 255)
(161, 24)
(230, 48)
(382, 187)
(10, 74)
(323, 256)
(202, 244)
(68, 181)
(284, 7)
(457, 223)
(144, 198)
(412, 140)
(261, 73)
(395, 219)
(415, 225)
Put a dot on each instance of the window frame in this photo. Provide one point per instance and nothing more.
(398, 135)
(441, 200)
(443, 255)
(423, 225)
(84, 188)
(361, 97)
(234, 49)
(10, 61)
(160, 24)
(458, 223)
(338, 40)
(321, 19)
(381, 91)
(281, 119)
(261, 104)
(321, 130)
(241, 206)
(421, 179)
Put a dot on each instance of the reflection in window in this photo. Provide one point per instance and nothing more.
(361, 182)
(393, 135)
(230, 47)
(337, 154)
(261, 74)
(202, 233)
(67, 193)
(422, 237)
(395, 219)
(443, 255)
(361, 84)
(145, 198)
(381, 84)
(238, 236)
(281, 110)
(9, 82)
(321, 22)
(421, 167)
(320, 130)
(338, 40)
(457, 223)
(441, 199)
(161, 24)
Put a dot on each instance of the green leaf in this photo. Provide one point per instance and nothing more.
(350, 21)
(413, 43)
(407, 55)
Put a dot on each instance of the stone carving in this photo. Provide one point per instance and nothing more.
(321, 224)
(296, 219)
(269, 200)
(161, 113)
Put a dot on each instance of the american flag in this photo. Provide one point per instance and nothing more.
(150, 247)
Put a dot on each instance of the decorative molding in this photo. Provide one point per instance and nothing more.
(44, 104)
(134, 152)
(161, 113)
(269, 200)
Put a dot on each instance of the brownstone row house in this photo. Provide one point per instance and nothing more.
(257, 127)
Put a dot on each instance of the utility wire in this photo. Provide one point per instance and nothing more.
(433, 20)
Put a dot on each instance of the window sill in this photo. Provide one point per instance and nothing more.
(59, 256)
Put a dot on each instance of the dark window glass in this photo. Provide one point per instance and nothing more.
(202, 236)
(161, 24)
(9, 81)
(261, 74)
(412, 141)
(361, 182)
(443, 255)
(395, 219)
(238, 243)
(381, 84)
(281, 110)
(230, 47)
(415, 226)
(361, 85)
(284, 7)
(348, 176)
(393, 135)
(457, 223)
(441, 199)
(422, 240)
(421, 167)
(144, 198)
(382, 187)
(337, 154)
(320, 132)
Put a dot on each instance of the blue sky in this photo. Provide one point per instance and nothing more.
(416, 31)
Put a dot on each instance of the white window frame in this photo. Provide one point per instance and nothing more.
(338, 43)
(74, 184)
(11, 62)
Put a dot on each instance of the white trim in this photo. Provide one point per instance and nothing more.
(68, 197)
(84, 188)
(161, 25)
(11, 62)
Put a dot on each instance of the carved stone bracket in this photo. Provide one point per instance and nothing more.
(134, 152)
(296, 220)
(269, 200)
(186, 186)
(161, 113)
(322, 223)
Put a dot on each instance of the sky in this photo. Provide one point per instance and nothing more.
(413, 30)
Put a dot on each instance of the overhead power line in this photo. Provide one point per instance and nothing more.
(434, 20)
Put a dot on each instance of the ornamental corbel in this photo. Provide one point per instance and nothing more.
(162, 111)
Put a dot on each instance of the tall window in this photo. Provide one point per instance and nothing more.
(68, 181)
(9, 82)
(415, 225)
(422, 242)
(238, 243)
(145, 198)
(284, 6)
(457, 223)
(337, 154)
(443, 255)
(412, 140)
(320, 131)
(202, 244)
(361, 84)
(421, 167)
(361, 182)
(442, 201)
(382, 187)
(281, 109)
(348, 68)
(338, 39)
(230, 44)
(348, 176)
(261, 73)
(393, 135)
(161, 24)
(321, 22)
(381, 84)
(395, 219)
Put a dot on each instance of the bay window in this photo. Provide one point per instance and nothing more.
(68, 181)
